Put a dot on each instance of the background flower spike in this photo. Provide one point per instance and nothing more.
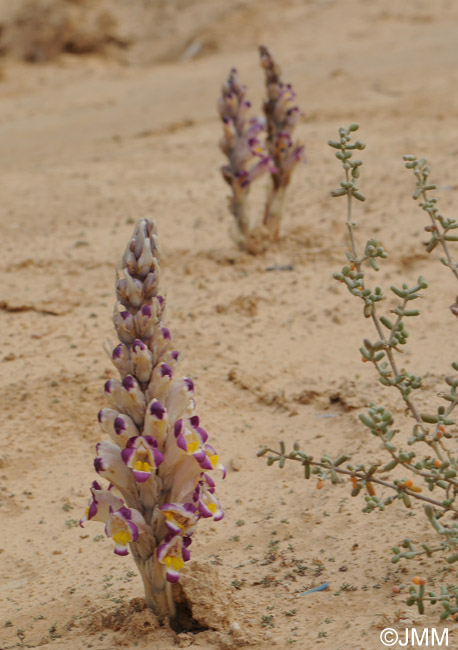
(281, 119)
(250, 156)
(241, 145)
(160, 489)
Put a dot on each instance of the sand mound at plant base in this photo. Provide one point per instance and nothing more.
(133, 618)
(205, 611)
(203, 604)
(201, 591)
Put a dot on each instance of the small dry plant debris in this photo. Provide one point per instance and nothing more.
(426, 462)
(249, 158)
(157, 459)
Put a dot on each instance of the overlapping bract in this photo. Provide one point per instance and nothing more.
(157, 458)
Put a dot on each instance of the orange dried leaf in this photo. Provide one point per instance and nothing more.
(370, 488)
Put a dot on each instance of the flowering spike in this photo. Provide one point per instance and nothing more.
(158, 452)
(240, 144)
(249, 157)
(281, 118)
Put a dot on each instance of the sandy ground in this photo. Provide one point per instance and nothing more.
(92, 143)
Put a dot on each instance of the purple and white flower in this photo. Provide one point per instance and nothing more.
(173, 553)
(207, 504)
(142, 457)
(124, 527)
(118, 426)
(180, 518)
(100, 503)
(110, 465)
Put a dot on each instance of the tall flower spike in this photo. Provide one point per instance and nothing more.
(281, 118)
(241, 145)
(158, 456)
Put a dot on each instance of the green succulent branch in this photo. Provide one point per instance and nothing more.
(448, 598)
(435, 469)
(441, 228)
(361, 477)
(353, 276)
(365, 479)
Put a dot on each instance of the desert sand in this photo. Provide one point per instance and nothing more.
(108, 115)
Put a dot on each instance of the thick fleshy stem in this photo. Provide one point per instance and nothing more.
(157, 458)
(158, 591)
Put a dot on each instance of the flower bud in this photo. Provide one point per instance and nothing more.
(156, 422)
(128, 397)
(125, 325)
(129, 262)
(142, 361)
(134, 290)
(146, 262)
(150, 285)
(121, 359)
(179, 402)
(160, 382)
(161, 342)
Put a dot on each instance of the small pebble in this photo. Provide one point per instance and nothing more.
(236, 464)
(235, 629)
